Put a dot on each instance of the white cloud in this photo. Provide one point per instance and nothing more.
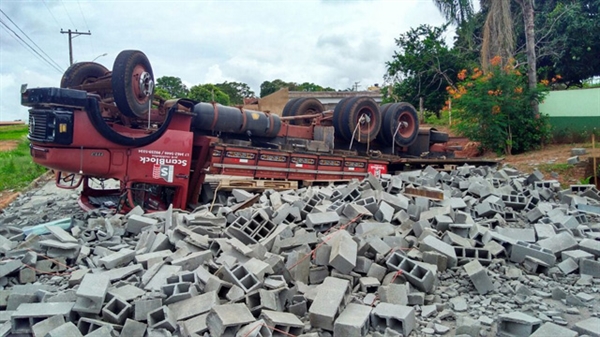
(331, 43)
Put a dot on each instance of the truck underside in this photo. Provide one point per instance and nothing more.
(106, 125)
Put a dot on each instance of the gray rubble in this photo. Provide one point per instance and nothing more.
(503, 253)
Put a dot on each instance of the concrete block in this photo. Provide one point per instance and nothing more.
(227, 319)
(241, 277)
(558, 243)
(568, 266)
(550, 329)
(353, 321)
(135, 223)
(91, 293)
(117, 259)
(9, 267)
(437, 259)
(284, 323)
(590, 246)
(419, 276)
(43, 327)
(322, 221)
(522, 249)
(28, 314)
(195, 326)
(343, 252)
(116, 311)
(141, 308)
(394, 294)
(133, 328)
(95, 328)
(578, 151)
(517, 324)
(67, 329)
(162, 318)
(193, 260)
(588, 327)
(589, 267)
(479, 277)
(573, 160)
(331, 295)
(399, 318)
(431, 243)
(576, 255)
(385, 213)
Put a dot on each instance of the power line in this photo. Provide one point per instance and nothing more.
(83, 15)
(48, 8)
(16, 36)
(27, 36)
(69, 15)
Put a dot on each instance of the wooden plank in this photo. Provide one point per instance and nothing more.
(256, 185)
(419, 192)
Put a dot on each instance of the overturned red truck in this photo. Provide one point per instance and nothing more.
(103, 124)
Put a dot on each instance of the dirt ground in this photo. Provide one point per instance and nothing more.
(551, 160)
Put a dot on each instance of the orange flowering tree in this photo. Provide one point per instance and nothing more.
(495, 109)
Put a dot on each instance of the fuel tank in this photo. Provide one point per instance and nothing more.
(227, 119)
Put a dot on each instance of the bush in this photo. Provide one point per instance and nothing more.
(495, 109)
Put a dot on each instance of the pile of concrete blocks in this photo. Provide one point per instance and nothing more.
(503, 253)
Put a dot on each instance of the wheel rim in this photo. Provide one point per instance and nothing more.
(368, 123)
(142, 83)
(406, 125)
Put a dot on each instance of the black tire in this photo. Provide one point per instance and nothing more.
(338, 112)
(95, 116)
(436, 136)
(354, 110)
(380, 137)
(305, 106)
(288, 107)
(401, 112)
(130, 97)
(82, 73)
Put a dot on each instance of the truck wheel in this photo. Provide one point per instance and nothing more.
(338, 112)
(387, 141)
(361, 114)
(288, 107)
(305, 106)
(407, 132)
(132, 83)
(82, 73)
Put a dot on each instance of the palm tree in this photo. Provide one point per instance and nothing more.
(498, 33)
(455, 11)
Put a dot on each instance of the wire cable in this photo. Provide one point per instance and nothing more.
(30, 48)
(69, 15)
(27, 36)
(48, 8)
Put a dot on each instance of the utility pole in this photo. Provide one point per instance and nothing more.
(72, 35)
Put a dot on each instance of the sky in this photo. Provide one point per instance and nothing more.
(330, 43)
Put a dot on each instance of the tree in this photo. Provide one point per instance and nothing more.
(495, 109)
(455, 11)
(312, 87)
(269, 87)
(208, 93)
(236, 91)
(172, 85)
(423, 67)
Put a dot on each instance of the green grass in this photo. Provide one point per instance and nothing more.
(17, 169)
(13, 132)
(560, 168)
